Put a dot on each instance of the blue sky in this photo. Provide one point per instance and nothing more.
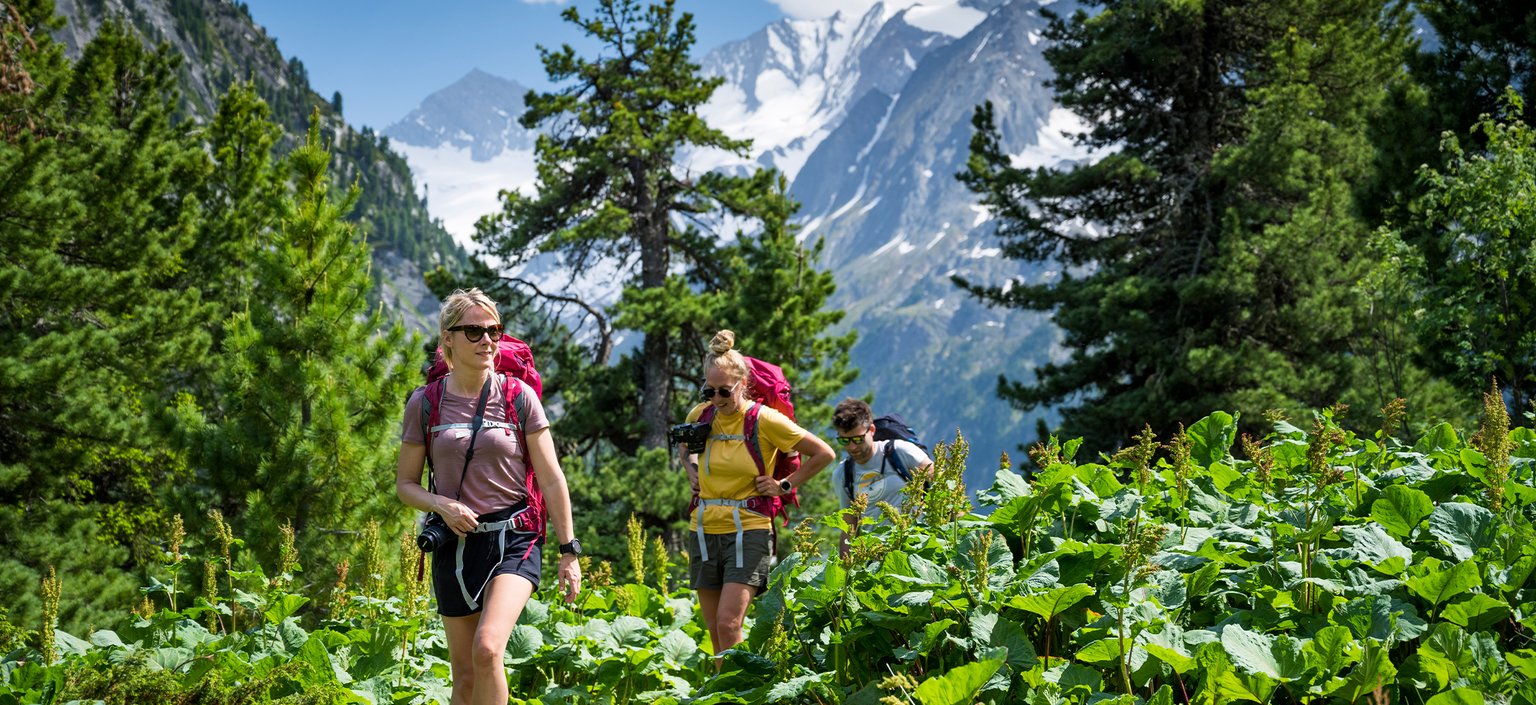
(386, 55)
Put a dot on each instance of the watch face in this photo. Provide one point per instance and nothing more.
(785, 486)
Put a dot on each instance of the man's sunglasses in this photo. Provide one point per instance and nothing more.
(475, 333)
(708, 393)
(846, 441)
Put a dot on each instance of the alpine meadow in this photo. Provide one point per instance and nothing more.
(1216, 319)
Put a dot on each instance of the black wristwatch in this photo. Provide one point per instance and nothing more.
(785, 486)
(573, 548)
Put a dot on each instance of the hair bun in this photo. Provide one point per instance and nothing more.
(722, 342)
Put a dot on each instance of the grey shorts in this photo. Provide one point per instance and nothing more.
(713, 574)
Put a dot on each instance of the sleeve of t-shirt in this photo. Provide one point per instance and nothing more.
(777, 430)
(530, 411)
(912, 455)
(695, 413)
(410, 425)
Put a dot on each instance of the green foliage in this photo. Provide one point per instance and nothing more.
(94, 317)
(302, 423)
(1116, 592)
(1225, 247)
(1479, 303)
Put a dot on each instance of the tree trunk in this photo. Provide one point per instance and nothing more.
(651, 228)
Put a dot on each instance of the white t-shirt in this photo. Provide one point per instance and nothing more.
(878, 478)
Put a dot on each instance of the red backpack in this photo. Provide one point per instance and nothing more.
(766, 384)
(514, 367)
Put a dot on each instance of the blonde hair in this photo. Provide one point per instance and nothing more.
(723, 355)
(453, 310)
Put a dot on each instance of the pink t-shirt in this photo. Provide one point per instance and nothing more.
(496, 474)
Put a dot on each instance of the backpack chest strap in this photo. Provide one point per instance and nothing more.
(468, 426)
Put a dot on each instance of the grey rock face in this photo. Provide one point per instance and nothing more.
(479, 112)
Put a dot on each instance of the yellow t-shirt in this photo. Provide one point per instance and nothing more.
(726, 470)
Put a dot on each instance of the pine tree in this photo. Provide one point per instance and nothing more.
(97, 186)
(708, 251)
(610, 192)
(304, 426)
(1224, 272)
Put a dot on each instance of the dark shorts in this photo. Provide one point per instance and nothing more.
(485, 557)
(713, 574)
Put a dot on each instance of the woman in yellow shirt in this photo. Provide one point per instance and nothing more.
(729, 555)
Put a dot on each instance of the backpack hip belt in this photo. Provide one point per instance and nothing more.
(736, 506)
(500, 528)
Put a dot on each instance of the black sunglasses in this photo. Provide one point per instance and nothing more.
(708, 393)
(846, 441)
(475, 333)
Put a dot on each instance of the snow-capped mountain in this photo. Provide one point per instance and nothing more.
(870, 117)
(464, 144)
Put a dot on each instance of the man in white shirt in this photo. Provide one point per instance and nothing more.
(879, 462)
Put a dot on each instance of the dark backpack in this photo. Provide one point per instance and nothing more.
(768, 386)
(887, 428)
(514, 368)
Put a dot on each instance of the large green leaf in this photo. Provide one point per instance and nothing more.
(1373, 545)
(1009, 635)
(1374, 671)
(1477, 612)
(1446, 655)
(283, 607)
(1331, 649)
(1463, 528)
(1211, 438)
(1439, 584)
(524, 643)
(1441, 437)
(1052, 602)
(1168, 646)
(1253, 652)
(1103, 651)
(959, 685)
(1459, 696)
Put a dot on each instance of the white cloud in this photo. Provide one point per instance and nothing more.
(543, 2)
(816, 9)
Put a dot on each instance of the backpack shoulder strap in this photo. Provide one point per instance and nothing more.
(749, 429)
(431, 413)
(894, 459)
(848, 477)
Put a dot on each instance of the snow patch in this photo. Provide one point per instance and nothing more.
(459, 190)
(879, 130)
(1054, 142)
(979, 47)
(948, 18)
(850, 204)
(983, 214)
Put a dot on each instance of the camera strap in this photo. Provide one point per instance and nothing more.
(469, 454)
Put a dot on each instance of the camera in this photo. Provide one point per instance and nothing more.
(434, 534)
(694, 434)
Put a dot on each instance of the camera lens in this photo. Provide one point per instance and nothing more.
(432, 537)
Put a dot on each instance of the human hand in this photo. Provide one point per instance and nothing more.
(568, 577)
(769, 487)
(459, 518)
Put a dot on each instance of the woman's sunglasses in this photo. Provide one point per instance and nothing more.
(708, 393)
(475, 333)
